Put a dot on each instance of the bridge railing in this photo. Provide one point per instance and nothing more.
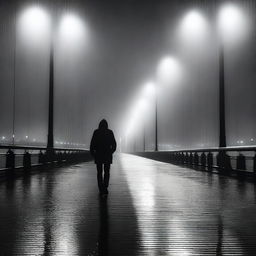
(240, 159)
(12, 157)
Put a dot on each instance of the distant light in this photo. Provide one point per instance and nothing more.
(141, 105)
(26, 136)
(241, 141)
(34, 23)
(131, 125)
(136, 116)
(194, 27)
(149, 89)
(3, 137)
(252, 139)
(13, 135)
(72, 28)
(233, 23)
(168, 70)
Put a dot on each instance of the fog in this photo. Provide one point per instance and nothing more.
(105, 52)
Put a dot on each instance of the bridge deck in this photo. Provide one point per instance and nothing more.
(153, 209)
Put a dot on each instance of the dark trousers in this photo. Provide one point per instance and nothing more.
(103, 180)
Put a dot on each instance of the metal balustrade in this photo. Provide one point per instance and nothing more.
(27, 156)
(228, 159)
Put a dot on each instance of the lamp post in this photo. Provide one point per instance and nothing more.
(156, 120)
(232, 26)
(144, 137)
(50, 134)
(50, 137)
(222, 110)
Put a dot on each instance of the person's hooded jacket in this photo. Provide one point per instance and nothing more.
(103, 144)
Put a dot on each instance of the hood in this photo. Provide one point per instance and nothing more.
(103, 124)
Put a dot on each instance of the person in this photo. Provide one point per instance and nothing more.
(102, 147)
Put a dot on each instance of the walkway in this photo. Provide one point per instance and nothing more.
(153, 209)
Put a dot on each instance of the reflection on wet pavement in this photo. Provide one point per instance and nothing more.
(186, 212)
(153, 209)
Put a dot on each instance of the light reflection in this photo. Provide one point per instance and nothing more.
(143, 192)
(147, 194)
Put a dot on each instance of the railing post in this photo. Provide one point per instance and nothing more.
(191, 158)
(50, 156)
(10, 159)
(176, 157)
(240, 162)
(186, 158)
(254, 163)
(203, 159)
(65, 156)
(223, 161)
(182, 158)
(41, 158)
(59, 157)
(196, 159)
(27, 161)
(209, 160)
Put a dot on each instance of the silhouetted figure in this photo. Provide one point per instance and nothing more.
(103, 145)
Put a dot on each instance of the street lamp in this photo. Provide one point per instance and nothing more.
(34, 28)
(233, 24)
(72, 29)
(193, 27)
(231, 27)
(168, 72)
(135, 118)
(34, 25)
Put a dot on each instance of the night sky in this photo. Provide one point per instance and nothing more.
(104, 74)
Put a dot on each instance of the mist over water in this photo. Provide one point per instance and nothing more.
(102, 62)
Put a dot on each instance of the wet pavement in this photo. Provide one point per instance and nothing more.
(153, 209)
